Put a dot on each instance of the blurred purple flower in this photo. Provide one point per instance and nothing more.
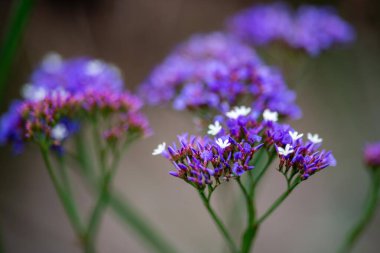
(372, 154)
(310, 28)
(216, 72)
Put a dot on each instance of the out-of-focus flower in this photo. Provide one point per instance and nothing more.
(310, 28)
(72, 75)
(372, 155)
(268, 115)
(214, 129)
(238, 111)
(314, 138)
(214, 73)
(53, 110)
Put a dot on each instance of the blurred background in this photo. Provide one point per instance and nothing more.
(339, 97)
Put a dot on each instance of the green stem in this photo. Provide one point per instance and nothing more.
(262, 172)
(219, 223)
(250, 232)
(368, 214)
(18, 19)
(127, 213)
(96, 215)
(277, 203)
(66, 200)
(132, 217)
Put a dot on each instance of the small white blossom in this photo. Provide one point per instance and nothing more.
(284, 152)
(238, 111)
(215, 128)
(33, 93)
(295, 135)
(59, 132)
(94, 68)
(268, 115)
(160, 149)
(314, 138)
(222, 144)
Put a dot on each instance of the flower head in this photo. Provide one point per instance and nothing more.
(55, 107)
(310, 28)
(295, 135)
(268, 115)
(214, 73)
(314, 138)
(223, 143)
(160, 149)
(238, 111)
(202, 161)
(214, 129)
(285, 151)
(372, 155)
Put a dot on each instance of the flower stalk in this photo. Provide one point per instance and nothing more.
(369, 212)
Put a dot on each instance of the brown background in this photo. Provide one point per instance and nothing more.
(339, 98)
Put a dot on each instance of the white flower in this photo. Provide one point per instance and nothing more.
(33, 93)
(268, 115)
(238, 111)
(284, 152)
(314, 138)
(59, 132)
(215, 128)
(94, 68)
(222, 144)
(160, 149)
(295, 136)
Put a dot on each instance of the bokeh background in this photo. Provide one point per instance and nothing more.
(339, 96)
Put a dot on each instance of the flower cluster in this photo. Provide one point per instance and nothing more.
(216, 72)
(204, 161)
(310, 28)
(51, 116)
(372, 155)
(74, 75)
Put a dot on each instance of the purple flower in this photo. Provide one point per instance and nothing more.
(66, 94)
(203, 161)
(372, 155)
(213, 73)
(72, 76)
(310, 28)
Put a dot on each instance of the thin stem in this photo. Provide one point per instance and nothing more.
(250, 231)
(66, 200)
(130, 216)
(367, 216)
(262, 172)
(219, 223)
(133, 219)
(277, 203)
(17, 22)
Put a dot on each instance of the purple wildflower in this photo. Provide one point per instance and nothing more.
(372, 155)
(310, 28)
(72, 76)
(214, 73)
(204, 161)
(67, 94)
